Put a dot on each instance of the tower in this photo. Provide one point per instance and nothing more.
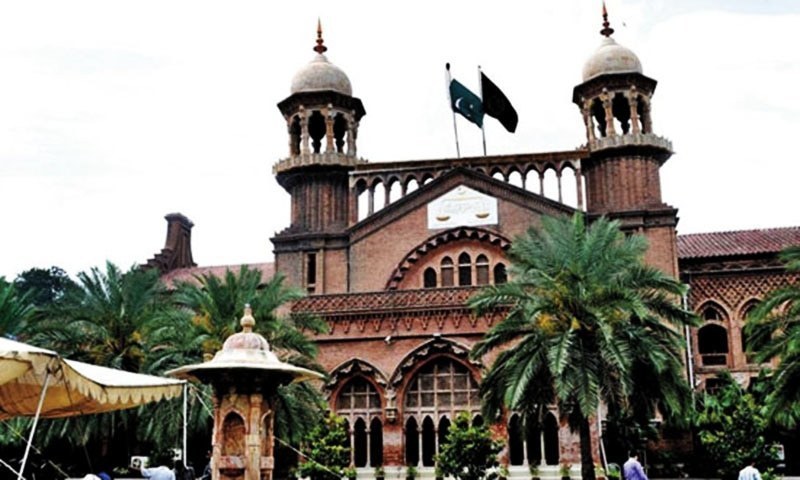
(322, 117)
(625, 156)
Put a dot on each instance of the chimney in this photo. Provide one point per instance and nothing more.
(177, 251)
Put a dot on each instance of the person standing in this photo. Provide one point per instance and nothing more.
(632, 469)
(750, 472)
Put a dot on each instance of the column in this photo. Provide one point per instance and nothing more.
(633, 102)
(329, 129)
(579, 187)
(606, 99)
(367, 430)
(558, 178)
(371, 207)
(588, 120)
(303, 132)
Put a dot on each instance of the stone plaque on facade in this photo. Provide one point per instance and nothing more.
(462, 206)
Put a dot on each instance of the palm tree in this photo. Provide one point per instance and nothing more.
(15, 310)
(774, 325)
(104, 320)
(217, 305)
(587, 322)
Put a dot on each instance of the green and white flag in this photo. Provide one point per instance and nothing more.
(463, 101)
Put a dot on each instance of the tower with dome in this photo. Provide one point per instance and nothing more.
(390, 252)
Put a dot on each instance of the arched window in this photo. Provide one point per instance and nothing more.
(440, 388)
(482, 270)
(412, 442)
(464, 270)
(711, 313)
(316, 130)
(234, 438)
(516, 446)
(429, 278)
(444, 430)
(428, 442)
(360, 443)
(295, 134)
(712, 344)
(550, 428)
(448, 273)
(749, 347)
(360, 404)
(339, 131)
(376, 443)
(500, 274)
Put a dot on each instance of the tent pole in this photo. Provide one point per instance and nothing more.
(185, 453)
(33, 427)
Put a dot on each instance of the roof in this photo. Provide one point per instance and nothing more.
(743, 242)
(189, 274)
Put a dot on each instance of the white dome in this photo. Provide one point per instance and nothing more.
(611, 58)
(320, 75)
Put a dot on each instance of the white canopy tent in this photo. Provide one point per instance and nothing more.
(38, 383)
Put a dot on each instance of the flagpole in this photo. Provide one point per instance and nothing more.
(450, 104)
(480, 90)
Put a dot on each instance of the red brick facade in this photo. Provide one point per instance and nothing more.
(392, 283)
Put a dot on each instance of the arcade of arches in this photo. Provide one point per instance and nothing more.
(437, 391)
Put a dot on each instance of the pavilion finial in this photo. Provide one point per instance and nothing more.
(607, 30)
(247, 322)
(320, 46)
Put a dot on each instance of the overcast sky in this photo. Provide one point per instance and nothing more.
(113, 114)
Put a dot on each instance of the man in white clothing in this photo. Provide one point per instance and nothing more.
(749, 472)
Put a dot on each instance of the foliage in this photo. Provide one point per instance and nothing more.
(216, 305)
(325, 450)
(15, 310)
(774, 325)
(45, 286)
(469, 450)
(731, 426)
(587, 321)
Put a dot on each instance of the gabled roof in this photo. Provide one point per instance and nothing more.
(737, 243)
(446, 182)
(189, 274)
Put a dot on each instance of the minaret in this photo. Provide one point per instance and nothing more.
(322, 118)
(622, 169)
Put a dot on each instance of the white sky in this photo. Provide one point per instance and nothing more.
(113, 114)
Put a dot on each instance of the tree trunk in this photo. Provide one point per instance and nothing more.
(587, 462)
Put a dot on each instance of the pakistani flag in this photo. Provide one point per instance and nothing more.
(466, 103)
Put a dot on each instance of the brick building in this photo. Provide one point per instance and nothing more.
(389, 253)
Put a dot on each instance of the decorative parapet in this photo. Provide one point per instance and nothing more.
(386, 301)
(309, 159)
(618, 141)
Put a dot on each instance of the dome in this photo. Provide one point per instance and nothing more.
(320, 75)
(611, 58)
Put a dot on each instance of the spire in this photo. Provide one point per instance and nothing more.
(607, 30)
(247, 322)
(320, 47)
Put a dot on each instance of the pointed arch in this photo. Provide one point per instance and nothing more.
(426, 351)
(438, 240)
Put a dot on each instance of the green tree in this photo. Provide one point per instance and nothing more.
(16, 310)
(586, 320)
(325, 451)
(774, 326)
(732, 429)
(45, 286)
(217, 305)
(104, 320)
(469, 451)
